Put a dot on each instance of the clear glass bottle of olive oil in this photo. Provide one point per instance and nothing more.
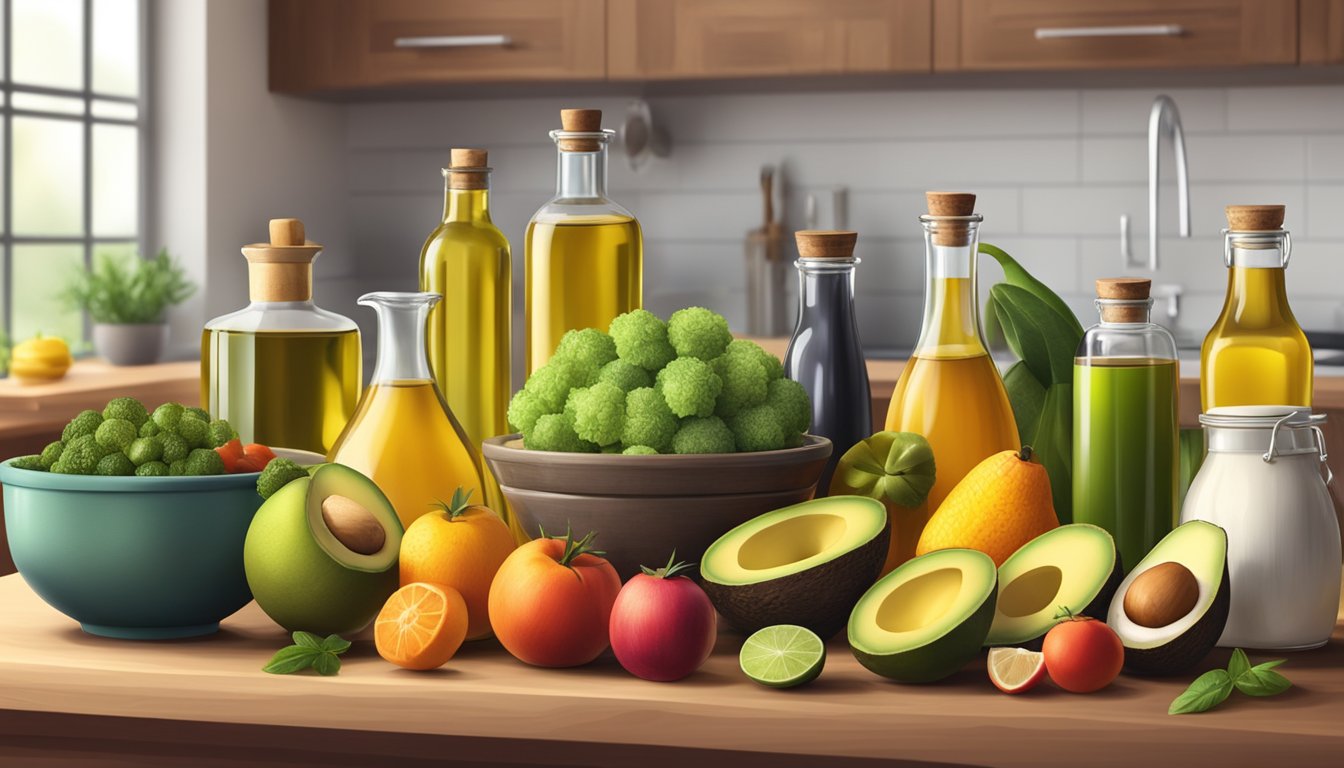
(585, 253)
(1256, 353)
(466, 259)
(283, 371)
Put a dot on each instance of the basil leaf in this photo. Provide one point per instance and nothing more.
(1262, 680)
(294, 658)
(307, 639)
(327, 664)
(335, 644)
(1208, 691)
(1238, 665)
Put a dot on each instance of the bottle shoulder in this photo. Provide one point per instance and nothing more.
(282, 316)
(1145, 340)
(452, 236)
(594, 210)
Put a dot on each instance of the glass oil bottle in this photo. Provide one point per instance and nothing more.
(283, 371)
(584, 253)
(950, 390)
(1256, 354)
(402, 435)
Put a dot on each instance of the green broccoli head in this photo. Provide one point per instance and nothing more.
(115, 434)
(149, 429)
(204, 461)
(790, 401)
(745, 379)
(703, 434)
(589, 348)
(114, 465)
(194, 431)
(144, 450)
(648, 420)
(86, 423)
(774, 367)
(174, 448)
(276, 475)
(550, 384)
(127, 408)
(698, 332)
(571, 408)
(51, 453)
(167, 416)
(177, 468)
(87, 446)
(152, 469)
(599, 413)
(200, 414)
(554, 432)
(33, 462)
(221, 432)
(641, 339)
(524, 410)
(639, 450)
(625, 375)
(690, 387)
(759, 428)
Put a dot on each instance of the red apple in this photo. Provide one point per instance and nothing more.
(662, 625)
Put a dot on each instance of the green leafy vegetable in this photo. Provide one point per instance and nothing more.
(1262, 680)
(123, 290)
(1213, 687)
(309, 652)
(1208, 691)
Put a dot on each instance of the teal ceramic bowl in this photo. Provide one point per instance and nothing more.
(132, 557)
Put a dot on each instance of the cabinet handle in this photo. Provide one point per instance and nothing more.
(1141, 30)
(453, 41)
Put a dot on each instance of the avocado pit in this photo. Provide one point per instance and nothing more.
(1161, 595)
(353, 526)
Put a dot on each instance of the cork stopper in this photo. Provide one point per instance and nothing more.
(468, 169)
(1254, 218)
(1124, 289)
(825, 243)
(282, 269)
(580, 121)
(951, 204)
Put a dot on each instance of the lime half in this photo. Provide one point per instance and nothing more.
(783, 656)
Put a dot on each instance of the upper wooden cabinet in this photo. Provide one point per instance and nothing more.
(328, 45)
(682, 39)
(983, 35)
(1321, 40)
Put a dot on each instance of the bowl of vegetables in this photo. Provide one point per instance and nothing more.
(656, 435)
(132, 524)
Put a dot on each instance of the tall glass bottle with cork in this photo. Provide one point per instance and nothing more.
(1256, 353)
(283, 371)
(585, 253)
(466, 260)
(1126, 429)
(950, 390)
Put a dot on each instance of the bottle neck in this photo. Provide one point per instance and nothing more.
(951, 308)
(401, 335)
(470, 206)
(1258, 296)
(1117, 313)
(581, 175)
(826, 287)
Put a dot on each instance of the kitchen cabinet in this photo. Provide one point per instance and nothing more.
(1321, 35)
(1000, 35)
(335, 45)
(689, 39)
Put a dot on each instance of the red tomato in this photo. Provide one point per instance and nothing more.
(231, 452)
(550, 611)
(259, 454)
(1082, 654)
(662, 625)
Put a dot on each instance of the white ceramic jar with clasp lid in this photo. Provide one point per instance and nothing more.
(1264, 482)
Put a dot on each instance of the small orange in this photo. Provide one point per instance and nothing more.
(421, 626)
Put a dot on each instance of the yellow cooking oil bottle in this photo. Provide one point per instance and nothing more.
(585, 253)
(1256, 354)
(403, 435)
(950, 390)
(283, 371)
(466, 259)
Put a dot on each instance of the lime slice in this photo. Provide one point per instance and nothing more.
(783, 656)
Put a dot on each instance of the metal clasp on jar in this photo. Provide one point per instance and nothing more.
(1317, 434)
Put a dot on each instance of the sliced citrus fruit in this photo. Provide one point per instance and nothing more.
(783, 656)
(421, 626)
(1015, 670)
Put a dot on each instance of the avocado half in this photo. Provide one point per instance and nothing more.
(923, 621)
(805, 564)
(1075, 566)
(1202, 548)
(301, 574)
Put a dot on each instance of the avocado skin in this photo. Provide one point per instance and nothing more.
(941, 658)
(1097, 609)
(819, 598)
(1186, 650)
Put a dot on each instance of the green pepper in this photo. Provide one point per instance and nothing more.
(893, 467)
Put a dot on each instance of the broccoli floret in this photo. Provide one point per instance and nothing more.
(639, 450)
(152, 469)
(599, 413)
(744, 379)
(33, 462)
(86, 423)
(589, 348)
(144, 450)
(524, 410)
(174, 448)
(80, 457)
(553, 432)
(87, 445)
(203, 461)
(698, 332)
(790, 401)
(114, 465)
(177, 468)
(200, 414)
(194, 431)
(648, 420)
(550, 384)
(571, 408)
(51, 453)
(624, 375)
(127, 408)
(641, 339)
(167, 416)
(759, 428)
(221, 432)
(703, 435)
(690, 387)
(774, 368)
(149, 429)
(115, 434)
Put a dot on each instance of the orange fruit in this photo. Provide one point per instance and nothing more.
(421, 626)
(460, 546)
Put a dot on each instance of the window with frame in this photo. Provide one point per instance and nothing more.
(72, 170)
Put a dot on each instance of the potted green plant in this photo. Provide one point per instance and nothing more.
(127, 299)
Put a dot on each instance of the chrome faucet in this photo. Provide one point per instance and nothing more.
(1166, 119)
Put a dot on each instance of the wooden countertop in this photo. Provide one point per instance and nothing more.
(599, 715)
(90, 384)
